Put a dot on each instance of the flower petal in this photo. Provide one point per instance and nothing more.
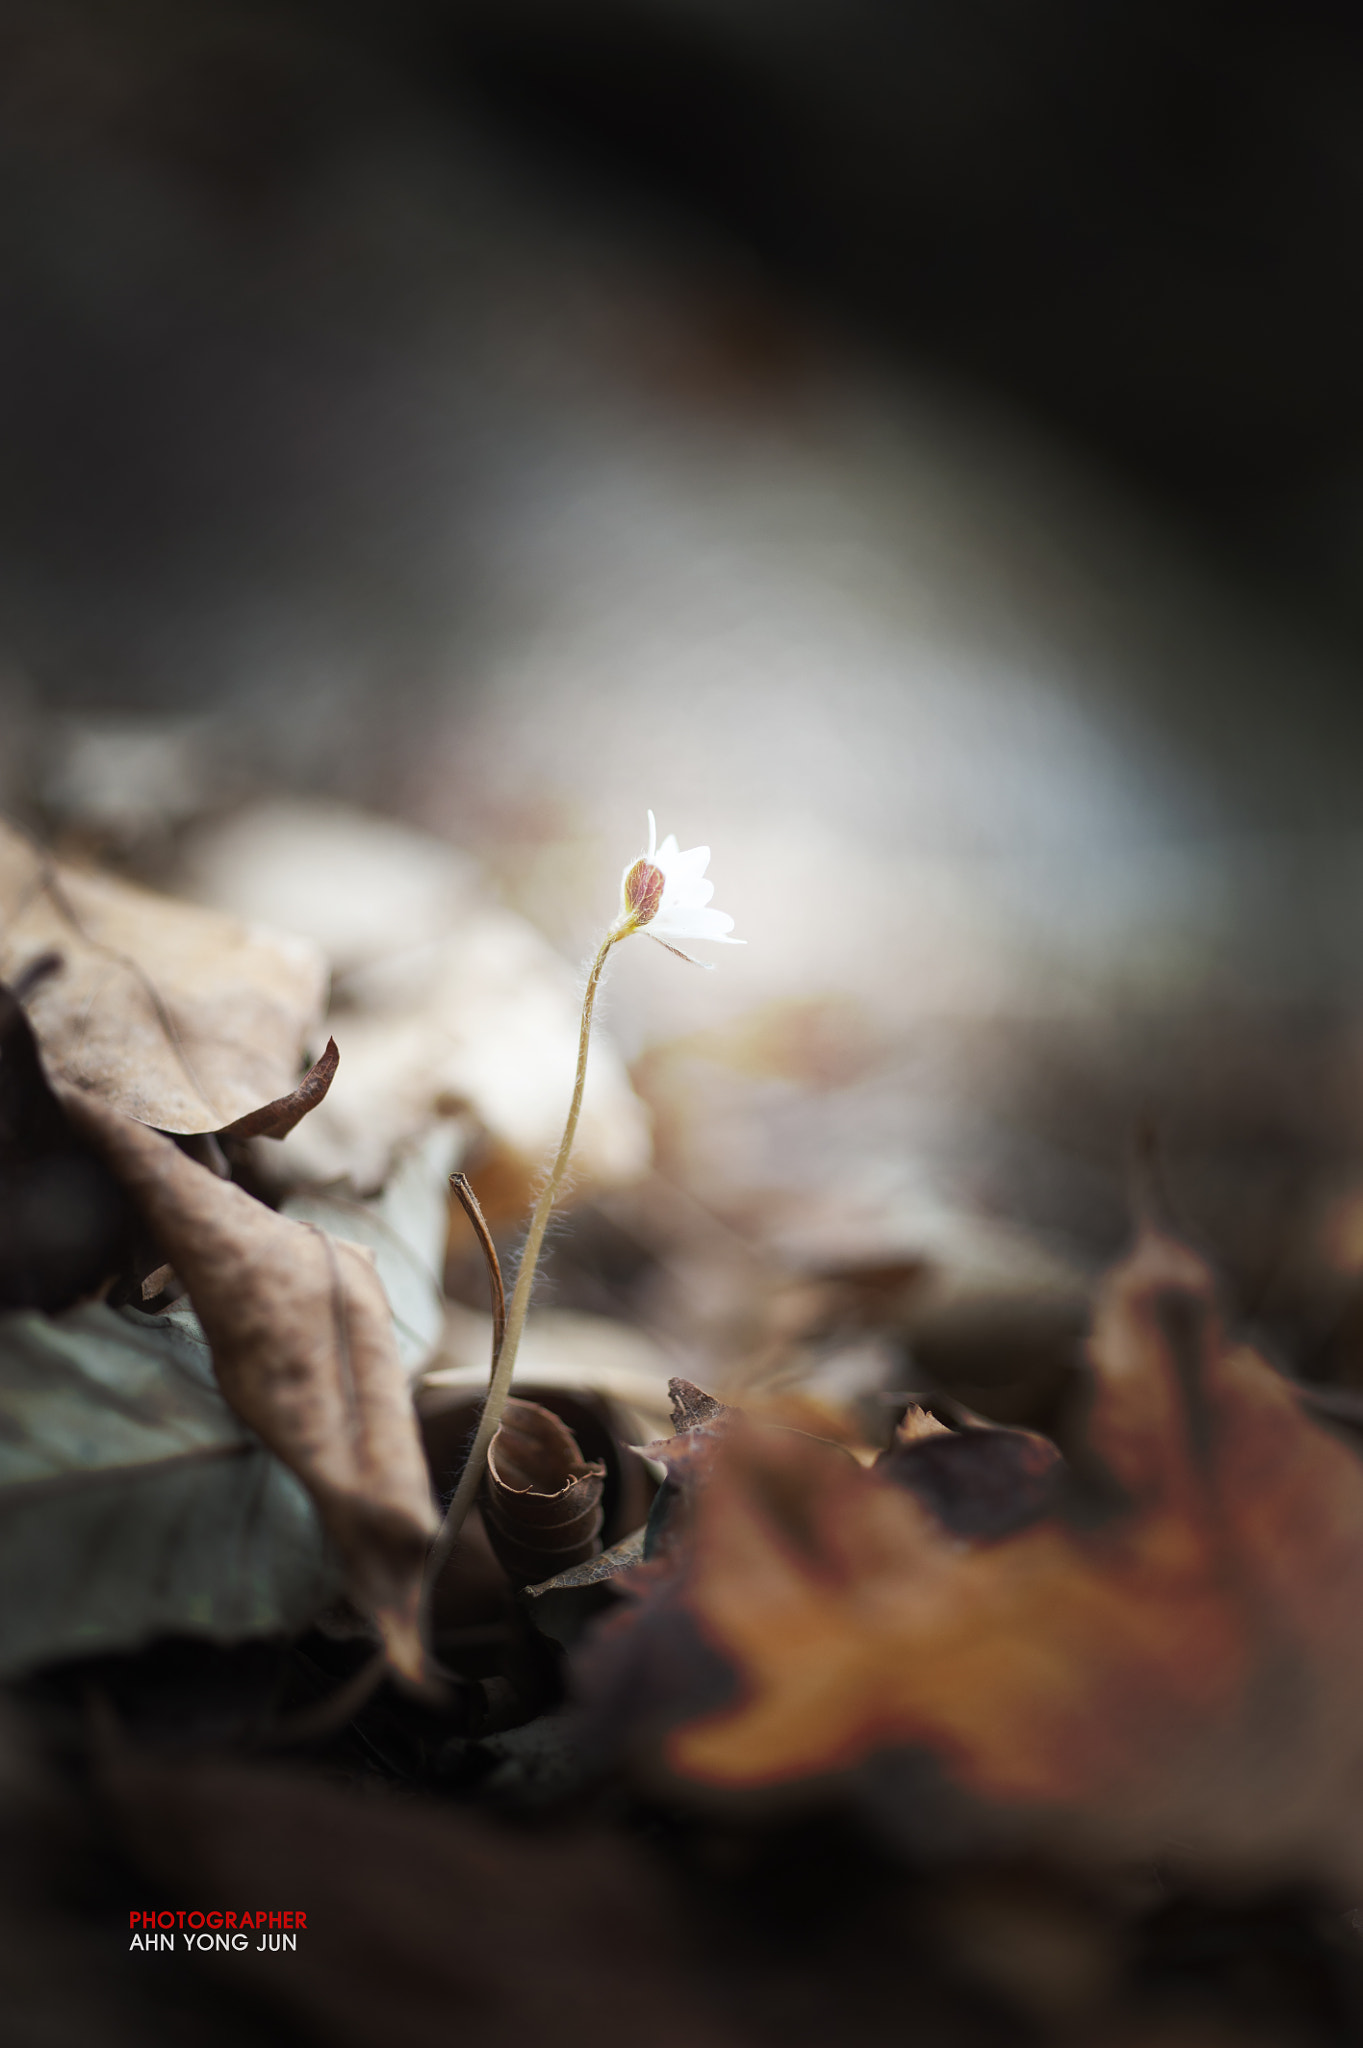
(694, 861)
(682, 905)
(695, 922)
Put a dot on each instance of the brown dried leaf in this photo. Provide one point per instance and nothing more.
(541, 1500)
(276, 1119)
(697, 1420)
(916, 1424)
(180, 1017)
(692, 1408)
(978, 1482)
(1173, 1665)
(303, 1348)
(608, 1564)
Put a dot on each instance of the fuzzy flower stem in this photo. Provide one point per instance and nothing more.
(504, 1358)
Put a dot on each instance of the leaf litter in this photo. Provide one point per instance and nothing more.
(180, 1017)
(133, 1502)
(1039, 1722)
(541, 1498)
(303, 1347)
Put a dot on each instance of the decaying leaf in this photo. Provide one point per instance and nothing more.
(915, 1424)
(303, 1348)
(1172, 1665)
(133, 1503)
(564, 1606)
(179, 1017)
(978, 1482)
(541, 1499)
(595, 1571)
(276, 1119)
(692, 1408)
(474, 1587)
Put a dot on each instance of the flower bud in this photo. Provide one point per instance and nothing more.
(643, 889)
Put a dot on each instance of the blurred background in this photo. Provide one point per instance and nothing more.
(914, 448)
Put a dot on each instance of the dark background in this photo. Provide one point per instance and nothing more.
(1137, 223)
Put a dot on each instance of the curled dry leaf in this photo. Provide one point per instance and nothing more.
(276, 1119)
(180, 1017)
(1171, 1665)
(541, 1499)
(303, 1348)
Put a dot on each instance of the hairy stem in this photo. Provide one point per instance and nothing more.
(504, 1354)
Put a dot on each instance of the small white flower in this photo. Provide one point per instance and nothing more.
(665, 896)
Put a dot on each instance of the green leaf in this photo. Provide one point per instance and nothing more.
(133, 1503)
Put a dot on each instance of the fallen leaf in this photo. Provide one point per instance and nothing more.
(564, 1606)
(595, 1571)
(979, 1482)
(917, 1423)
(473, 1586)
(276, 1119)
(179, 1017)
(303, 1348)
(541, 1499)
(133, 1502)
(1172, 1665)
(692, 1408)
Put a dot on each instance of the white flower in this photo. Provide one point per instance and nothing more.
(665, 895)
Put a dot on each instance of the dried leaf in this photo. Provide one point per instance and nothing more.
(1172, 1666)
(276, 1119)
(303, 1348)
(982, 1482)
(180, 1017)
(541, 1500)
(563, 1607)
(607, 1564)
(917, 1423)
(698, 1420)
(133, 1503)
(692, 1408)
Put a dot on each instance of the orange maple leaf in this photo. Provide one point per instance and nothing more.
(1171, 1662)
